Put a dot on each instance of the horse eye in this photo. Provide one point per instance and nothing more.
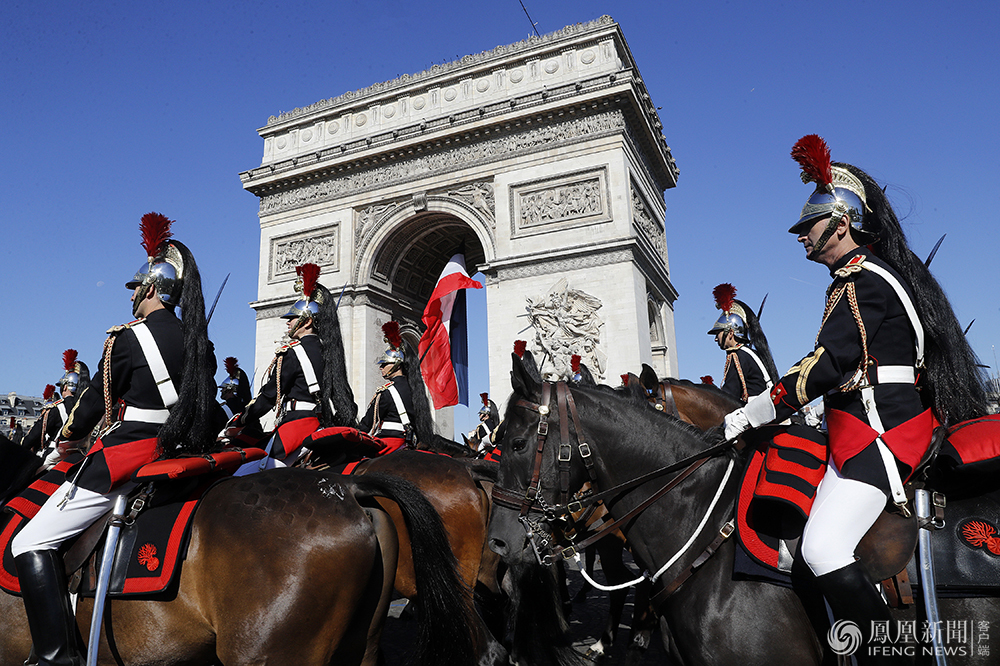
(518, 444)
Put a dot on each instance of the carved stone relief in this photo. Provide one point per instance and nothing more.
(480, 197)
(574, 198)
(316, 246)
(441, 161)
(647, 226)
(566, 323)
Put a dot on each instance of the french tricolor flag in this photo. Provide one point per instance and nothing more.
(444, 347)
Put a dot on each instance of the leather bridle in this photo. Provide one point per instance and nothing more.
(531, 501)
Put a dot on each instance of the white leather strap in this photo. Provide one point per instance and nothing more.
(307, 368)
(299, 406)
(769, 382)
(400, 409)
(896, 374)
(156, 365)
(904, 298)
(144, 415)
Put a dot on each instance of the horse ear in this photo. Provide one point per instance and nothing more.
(636, 388)
(521, 380)
(648, 378)
(586, 377)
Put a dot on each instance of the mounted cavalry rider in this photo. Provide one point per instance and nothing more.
(890, 360)
(155, 391)
(307, 380)
(234, 389)
(489, 417)
(389, 416)
(749, 369)
(45, 432)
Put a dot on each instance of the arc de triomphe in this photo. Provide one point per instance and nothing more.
(544, 158)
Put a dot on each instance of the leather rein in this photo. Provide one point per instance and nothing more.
(531, 500)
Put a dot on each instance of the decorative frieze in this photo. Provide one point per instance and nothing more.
(569, 200)
(474, 153)
(648, 227)
(316, 246)
(479, 196)
(566, 323)
(500, 52)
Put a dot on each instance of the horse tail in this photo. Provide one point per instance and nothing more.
(444, 612)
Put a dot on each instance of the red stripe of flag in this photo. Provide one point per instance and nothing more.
(435, 346)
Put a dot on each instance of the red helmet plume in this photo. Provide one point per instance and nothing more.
(813, 155)
(486, 399)
(155, 231)
(625, 379)
(390, 330)
(49, 391)
(519, 347)
(707, 379)
(232, 365)
(574, 363)
(309, 274)
(724, 294)
(69, 360)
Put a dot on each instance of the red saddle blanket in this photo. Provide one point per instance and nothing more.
(151, 548)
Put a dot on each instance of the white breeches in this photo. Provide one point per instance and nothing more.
(843, 512)
(54, 524)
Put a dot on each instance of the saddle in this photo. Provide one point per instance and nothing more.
(154, 536)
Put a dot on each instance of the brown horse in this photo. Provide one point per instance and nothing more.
(288, 566)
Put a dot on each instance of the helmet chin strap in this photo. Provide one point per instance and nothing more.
(139, 297)
(831, 227)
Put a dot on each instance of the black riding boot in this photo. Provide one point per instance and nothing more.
(46, 603)
(852, 596)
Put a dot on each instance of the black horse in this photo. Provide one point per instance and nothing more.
(558, 438)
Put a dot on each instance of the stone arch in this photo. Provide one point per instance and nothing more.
(385, 244)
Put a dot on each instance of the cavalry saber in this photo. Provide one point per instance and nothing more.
(104, 577)
(922, 499)
(216, 301)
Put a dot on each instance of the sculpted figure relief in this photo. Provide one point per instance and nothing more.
(566, 323)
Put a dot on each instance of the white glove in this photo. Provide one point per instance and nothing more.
(52, 459)
(758, 411)
(736, 423)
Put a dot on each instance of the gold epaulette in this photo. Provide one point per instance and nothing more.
(383, 387)
(121, 327)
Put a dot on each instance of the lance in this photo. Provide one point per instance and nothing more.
(216, 301)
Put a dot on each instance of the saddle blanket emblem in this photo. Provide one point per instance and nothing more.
(980, 534)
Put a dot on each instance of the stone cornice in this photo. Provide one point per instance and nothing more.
(524, 47)
(572, 69)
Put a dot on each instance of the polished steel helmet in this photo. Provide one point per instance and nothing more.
(734, 317)
(394, 354)
(838, 191)
(232, 380)
(71, 377)
(164, 267)
(310, 297)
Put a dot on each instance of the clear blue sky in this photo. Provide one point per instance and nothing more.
(114, 109)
